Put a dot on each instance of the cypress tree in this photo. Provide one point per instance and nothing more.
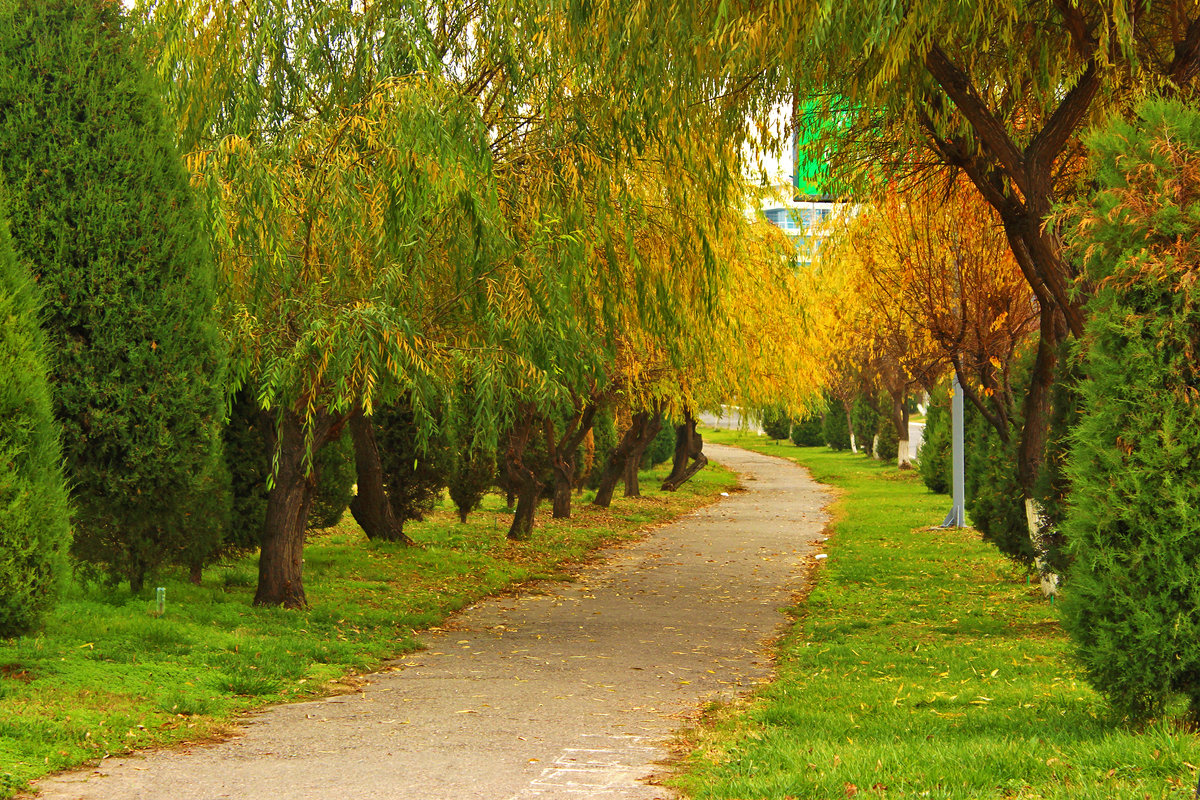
(1133, 524)
(103, 214)
(34, 521)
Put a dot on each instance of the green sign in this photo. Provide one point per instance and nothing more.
(817, 125)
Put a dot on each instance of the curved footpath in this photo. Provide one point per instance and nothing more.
(571, 690)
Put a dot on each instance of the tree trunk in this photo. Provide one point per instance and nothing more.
(633, 461)
(689, 445)
(563, 454)
(196, 573)
(527, 503)
(850, 427)
(589, 460)
(900, 421)
(281, 561)
(370, 505)
(614, 468)
(522, 480)
(1032, 449)
(137, 578)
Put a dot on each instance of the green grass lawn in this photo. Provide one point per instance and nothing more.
(106, 675)
(923, 665)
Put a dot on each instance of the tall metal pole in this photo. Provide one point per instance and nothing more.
(957, 517)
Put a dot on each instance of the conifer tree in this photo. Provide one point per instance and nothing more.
(1133, 526)
(34, 519)
(102, 212)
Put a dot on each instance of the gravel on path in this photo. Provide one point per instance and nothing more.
(569, 690)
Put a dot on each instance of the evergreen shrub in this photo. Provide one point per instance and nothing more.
(102, 213)
(807, 432)
(662, 447)
(935, 456)
(776, 423)
(887, 441)
(605, 439)
(416, 468)
(472, 467)
(834, 428)
(865, 420)
(248, 461)
(994, 500)
(1133, 525)
(34, 518)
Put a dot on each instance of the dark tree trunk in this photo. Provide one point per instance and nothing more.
(689, 446)
(196, 573)
(614, 468)
(137, 578)
(633, 461)
(370, 505)
(522, 479)
(563, 454)
(280, 564)
(527, 503)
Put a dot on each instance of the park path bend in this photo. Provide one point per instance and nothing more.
(569, 691)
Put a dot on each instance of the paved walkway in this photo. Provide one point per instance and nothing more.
(569, 691)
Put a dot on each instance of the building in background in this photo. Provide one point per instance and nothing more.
(804, 201)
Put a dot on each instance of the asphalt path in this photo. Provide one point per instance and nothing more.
(569, 690)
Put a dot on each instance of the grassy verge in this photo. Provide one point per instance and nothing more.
(922, 665)
(106, 675)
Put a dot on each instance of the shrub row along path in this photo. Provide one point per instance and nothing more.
(566, 691)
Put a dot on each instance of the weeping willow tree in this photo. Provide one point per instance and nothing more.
(352, 213)
(404, 197)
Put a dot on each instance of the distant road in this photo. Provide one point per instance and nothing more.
(916, 434)
(731, 419)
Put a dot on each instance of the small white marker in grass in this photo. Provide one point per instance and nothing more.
(819, 556)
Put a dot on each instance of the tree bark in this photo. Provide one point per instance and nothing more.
(522, 479)
(900, 422)
(614, 468)
(633, 461)
(563, 456)
(370, 505)
(281, 561)
(689, 446)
